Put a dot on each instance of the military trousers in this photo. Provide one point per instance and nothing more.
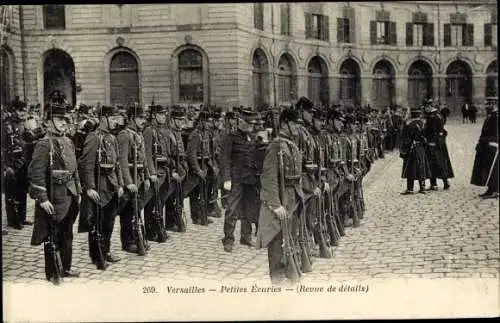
(106, 216)
(239, 204)
(16, 190)
(157, 194)
(213, 183)
(133, 204)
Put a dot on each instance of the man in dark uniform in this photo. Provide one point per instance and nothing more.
(276, 208)
(238, 176)
(198, 155)
(213, 181)
(131, 152)
(55, 185)
(412, 151)
(485, 171)
(101, 180)
(85, 123)
(158, 162)
(16, 161)
(174, 215)
(436, 148)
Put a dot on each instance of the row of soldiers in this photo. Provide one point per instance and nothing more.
(141, 165)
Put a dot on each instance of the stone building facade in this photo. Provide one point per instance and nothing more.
(244, 53)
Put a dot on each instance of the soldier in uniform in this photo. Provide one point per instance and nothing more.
(485, 171)
(436, 149)
(101, 180)
(214, 182)
(198, 155)
(85, 124)
(16, 162)
(412, 151)
(131, 154)
(175, 198)
(238, 176)
(275, 208)
(55, 186)
(159, 164)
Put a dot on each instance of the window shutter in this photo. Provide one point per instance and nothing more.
(326, 28)
(340, 30)
(373, 32)
(429, 28)
(393, 33)
(470, 34)
(352, 29)
(488, 40)
(308, 24)
(285, 17)
(409, 34)
(447, 35)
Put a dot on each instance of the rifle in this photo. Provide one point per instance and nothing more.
(53, 263)
(179, 199)
(157, 210)
(324, 251)
(203, 188)
(289, 253)
(137, 224)
(96, 241)
(355, 217)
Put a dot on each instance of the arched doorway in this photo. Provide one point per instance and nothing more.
(419, 83)
(318, 87)
(6, 77)
(350, 85)
(124, 79)
(492, 80)
(287, 79)
(458, 85)
(383, 84)
(260, 70)
(59, 75)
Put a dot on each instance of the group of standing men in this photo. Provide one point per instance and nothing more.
(140, 164)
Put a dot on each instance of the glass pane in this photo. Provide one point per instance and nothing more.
(123, 60)
(190, 57)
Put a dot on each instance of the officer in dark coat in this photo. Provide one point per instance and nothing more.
(485, 171)
(101, 180)
(275, 208)
(131, 151)
(159, 164)
(238, 176)
(55, 185)
(412, 151)
(16, 161)
(175, 198)
(436, 149)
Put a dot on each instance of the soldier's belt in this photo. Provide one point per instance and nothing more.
(292, 180)
(432, 144)
(139, 166)
(203, 157)
(62, 176)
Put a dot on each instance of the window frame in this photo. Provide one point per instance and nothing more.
(61, 24)
(258, 16)
(193, 97)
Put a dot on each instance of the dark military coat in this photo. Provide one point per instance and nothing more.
(54, 182)
(436, 148)
(486, 149)
(413, 142)
(157, 151)
(238, 159)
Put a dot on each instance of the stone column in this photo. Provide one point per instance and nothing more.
(366, 89)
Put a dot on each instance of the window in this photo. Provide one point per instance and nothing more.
(317, 27)
(458, 35)
(259, 78)
(419, 34)
(490, 35)
(285, 19)
(190, 76)
(258, 16)
(54, 17)
(286, 80)
(343, 30)
(6, 94)
(383, 33)
(318, 82)
(124, 79)
(492, 80)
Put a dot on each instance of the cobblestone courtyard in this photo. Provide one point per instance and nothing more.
(441, 234)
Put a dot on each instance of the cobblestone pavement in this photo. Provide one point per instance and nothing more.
(441, 234)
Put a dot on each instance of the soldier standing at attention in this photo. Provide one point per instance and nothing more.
(239, 179)
(131, 150)
(275, 207)
(16, 162)
(415, 165)
(217, 134)
(99, 156)
(57, 194)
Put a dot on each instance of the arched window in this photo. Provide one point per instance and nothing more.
(419, 83)
(286, 80)
(492, 80)
(7, 84)
(259, 78)
(458, 85)
(350, 85)
(318, 81)
(191, 85)
(124, 79)
(383, 84)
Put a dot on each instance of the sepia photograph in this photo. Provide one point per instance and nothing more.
(249, 161)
